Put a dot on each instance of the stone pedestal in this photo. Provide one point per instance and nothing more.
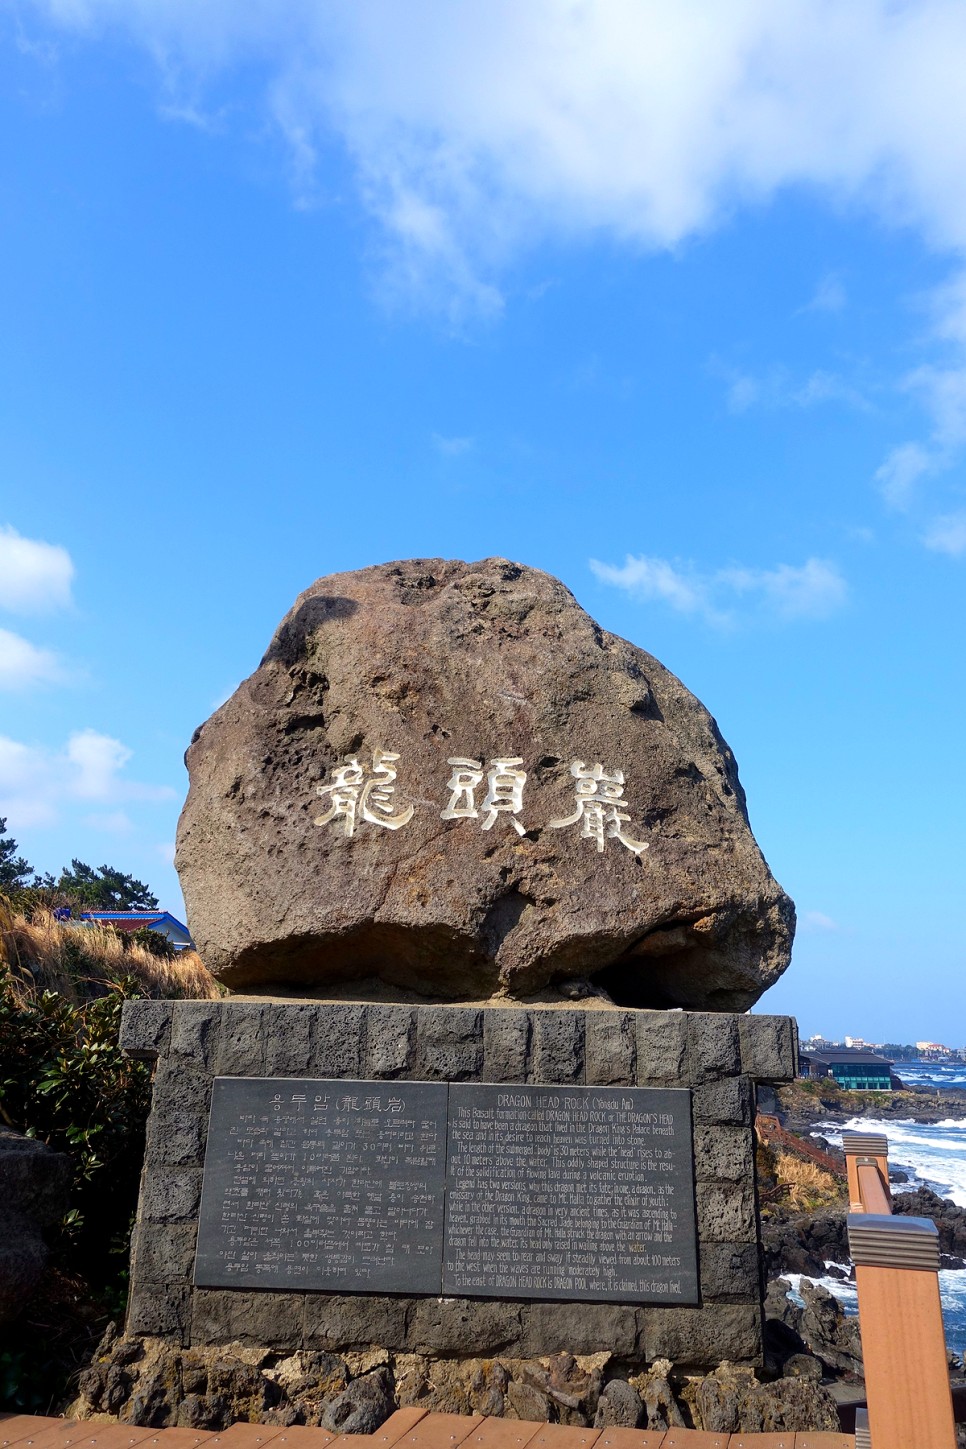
(720, 1057)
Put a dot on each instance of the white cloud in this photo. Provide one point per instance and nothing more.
(451, 447)
(476, 128)
(476, 131)
(902, 470)
(34, 576)
(817, 921)
(97, 761)
(23, 664)
(776, 389)
(829, 295)
(39, 785)
(166, 852)
(815, 590)
(947, 534)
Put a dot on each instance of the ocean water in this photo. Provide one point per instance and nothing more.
(933, 1155)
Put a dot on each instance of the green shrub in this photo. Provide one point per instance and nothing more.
(64, 1081)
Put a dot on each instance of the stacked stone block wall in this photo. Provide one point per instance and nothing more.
(719, 1056)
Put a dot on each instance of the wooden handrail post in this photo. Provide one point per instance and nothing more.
(900, 1321)
(872, 1146)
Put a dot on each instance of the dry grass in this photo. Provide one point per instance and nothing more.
(44, 954)
(804, 1184)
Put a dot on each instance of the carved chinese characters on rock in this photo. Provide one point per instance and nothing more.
(504, 791)
(362, 794)
(479, 790)
(598, 811)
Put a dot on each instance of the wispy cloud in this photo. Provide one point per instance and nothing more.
(35, 577)
(829, 295)
(451, 447)
(813, 590)
(777, 389)
(947, 534)
(38, 786)
(23, 665)
(476, 130)
(901, 471)
(817, 921)
(941, 393)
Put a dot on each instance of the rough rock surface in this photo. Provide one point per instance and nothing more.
(150, 1383)
(821, 1330)
(33, 1197)
(494, 663)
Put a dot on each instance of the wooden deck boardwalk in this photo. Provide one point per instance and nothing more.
(406, 1429)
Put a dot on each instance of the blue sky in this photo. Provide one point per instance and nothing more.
(668, 301)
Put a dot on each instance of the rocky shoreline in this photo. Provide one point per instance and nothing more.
(801, 1110)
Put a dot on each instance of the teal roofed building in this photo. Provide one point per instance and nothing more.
(856, 1068)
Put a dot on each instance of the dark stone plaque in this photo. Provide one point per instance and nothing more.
(570, 1193)
(323, 1184)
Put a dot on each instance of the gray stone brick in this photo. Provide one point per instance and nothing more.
(180, 1085)
(175, 1136)
(271, 1320)
(703, 1337)
(713, 1042)
(611, 1048)
(170, 1196)
(465, 1326)
(449, 1043)
(727, 1101)
(578, 1328)
(662, 1049)
(164, 1252)
(240, 1046)
(333, 1321)
(769, 1047)
(726, 1212)
(730, 1272)
(506, 1043)
(290, 1039)
(390, 1040)
(194, 1027)
(160, 1310)
(145, 1028)
(558, 1046)
(724, 1154)
(339, 1030)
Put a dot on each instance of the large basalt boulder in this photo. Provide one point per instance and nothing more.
(448, 776)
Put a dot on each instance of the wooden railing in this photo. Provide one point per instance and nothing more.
(770, 1131)
(900, 1316)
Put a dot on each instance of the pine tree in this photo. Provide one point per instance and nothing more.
(15, 872)
(105, 889)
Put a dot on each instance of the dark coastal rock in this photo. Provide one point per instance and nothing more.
(328, 833)
(33, 1198)
(821, 1329)
(803, 1242)
(949, 1217)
